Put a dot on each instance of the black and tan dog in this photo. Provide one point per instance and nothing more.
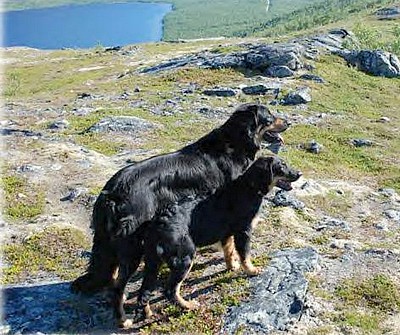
(183, 226)
(137, 193)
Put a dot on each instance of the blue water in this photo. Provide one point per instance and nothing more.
(85, 26)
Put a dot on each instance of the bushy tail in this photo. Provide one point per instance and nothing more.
(103, 262)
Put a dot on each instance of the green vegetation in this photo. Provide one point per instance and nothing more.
(359, 99)
(22, 201)
(54, 250)
(376, 37)
(365, 303)
(228, 290)
(313, 16)
(379, 293)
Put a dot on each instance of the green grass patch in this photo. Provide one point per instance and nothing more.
(22, 201)
(55, 250)
(378, 292)
(367, 322)
(229, 289)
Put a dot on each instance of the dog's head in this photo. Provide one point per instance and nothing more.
(267, 172)
(255, 123)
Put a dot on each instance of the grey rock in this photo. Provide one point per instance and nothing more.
(392, 214)
(313, 147)
(375, 62)
(74, 194)
(312, 77)
(299, 96)
(388, 192)
(384, 119)
(123, 124)
(279, 71)
(328, 222)
(220, 92)
(285, 199)
(84, 95)
(58, 125)
(30, 168)
(278, 295)
(260, 89)
(388, 13)
(360, 142)
(19, 132)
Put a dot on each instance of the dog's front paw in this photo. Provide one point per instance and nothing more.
(234, 265)
(191, 304)
(252, 271)
(125, 324)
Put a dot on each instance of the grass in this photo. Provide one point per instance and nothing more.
(54, 250)
(366, 302)
(229, 289)
(22, 200)
(378, 292)
(356, 100)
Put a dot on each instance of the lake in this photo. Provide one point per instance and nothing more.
(85, 26)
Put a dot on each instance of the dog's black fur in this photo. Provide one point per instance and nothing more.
(174, 235)
(138, 192)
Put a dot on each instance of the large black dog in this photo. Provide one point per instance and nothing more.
(140, 191)
(175, 234)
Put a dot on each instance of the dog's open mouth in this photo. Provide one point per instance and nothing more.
(284, 185)
(272, 137)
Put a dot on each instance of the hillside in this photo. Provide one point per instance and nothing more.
(334, 239)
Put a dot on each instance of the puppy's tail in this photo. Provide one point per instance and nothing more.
(103, 262)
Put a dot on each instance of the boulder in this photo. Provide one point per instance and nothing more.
(375, 62)
(121, 124)
(312, 77)
(389, 13)
(279, 71)
(260, 89)
(220, 92)
(278, 295)
(299, 96)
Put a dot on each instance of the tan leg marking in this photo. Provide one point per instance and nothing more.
(187, 304)
(249, 268)
(148, 313)
(128, 323)
(230, 255)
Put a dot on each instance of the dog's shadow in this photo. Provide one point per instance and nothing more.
(51, 308)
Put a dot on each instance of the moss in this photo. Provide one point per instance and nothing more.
(55, 250)
(229, 288)
(367, 322)
(321, 330)
(23, 201)
(378, 292)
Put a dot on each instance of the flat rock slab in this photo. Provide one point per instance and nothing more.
(121, 124)
(278, 294)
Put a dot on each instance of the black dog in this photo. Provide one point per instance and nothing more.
(174, 236)
(139, 191)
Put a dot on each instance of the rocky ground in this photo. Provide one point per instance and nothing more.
(329, 248)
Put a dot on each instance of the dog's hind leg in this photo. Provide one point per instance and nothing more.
(125, 272)
(230, 254)
(242, 243)
(152, 265)
(102, 266)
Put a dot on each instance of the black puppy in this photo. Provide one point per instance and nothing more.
(174, 236)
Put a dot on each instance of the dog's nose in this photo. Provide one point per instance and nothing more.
(299, 174)
(288, 123)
